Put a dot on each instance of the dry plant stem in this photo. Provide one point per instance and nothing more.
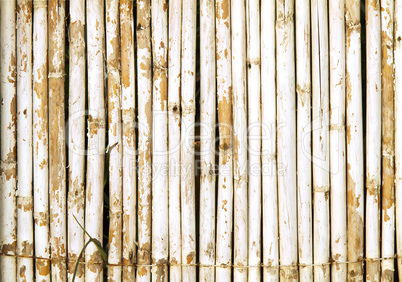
(57, 150)
(127, 104)
(398, 130)
(188, 239)
(41, 141)
(8, 162)
(373, 138)
(25, 267)
(286, 120)
(208, 110)
(354, 138)
(303, 89)
(388, 192)
(96, 138)
(224, 211)
(76, 155)
(254, 133)
(115, 139)
(144, 67)
(320, 124)
(174, 139)
(337, 139)
(160, 179)
(268, 131)
(240, 244)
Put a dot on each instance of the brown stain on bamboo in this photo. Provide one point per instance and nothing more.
(23, 273)
(388, 196)
(43, 267)
(13, 71)
(8, 249)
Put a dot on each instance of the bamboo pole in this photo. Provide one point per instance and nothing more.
(40, 141)
(57, 152)
(174, 139)
(337, 154)
(286, 120)
(96, 138)
(373, 138)
(240, 250)
(388, 192)
(25, 268)
(320, 124)
(354, 138)
(188, 238)
(398, 131)
(76, 156)
(8, 163)
(303, 90)
(159, 143)
(144, 68)
(254, 139)
(127, 104)
(224, 213)
(114, 139)
(208, 110)
(269, 167)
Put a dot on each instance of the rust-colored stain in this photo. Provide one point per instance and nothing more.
(43, 267)
(142, 271)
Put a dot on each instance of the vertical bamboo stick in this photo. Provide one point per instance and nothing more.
(208, 110)
(174, 138)
(115, 140)
(320, 124)
(254, 139)
(354, 138)
(303, 89)
(373, 138)
(96, 138)
(144, 68)
(224, 223)
(57, 153)
(40, 141)
(286, 119)
(337, 139)
(398, 131)
(159, 143)
(388, 193)
(238, 14)
(188, 239)
(25, 271)
(127, 104)
(269, 167)
(8, 163)
(76, 156)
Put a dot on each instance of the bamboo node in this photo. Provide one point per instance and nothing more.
(41, 218)
(57, 74)
(24, 202)
(158, 66)
(77, 42)
(321, 189)
(38, 4)
(254, 61)
(339, 127)
(373, 189)
(188, 109)
(350, 23)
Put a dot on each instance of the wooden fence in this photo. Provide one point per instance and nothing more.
(185, 140)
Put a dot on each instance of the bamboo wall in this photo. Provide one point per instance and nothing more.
(185, 140)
